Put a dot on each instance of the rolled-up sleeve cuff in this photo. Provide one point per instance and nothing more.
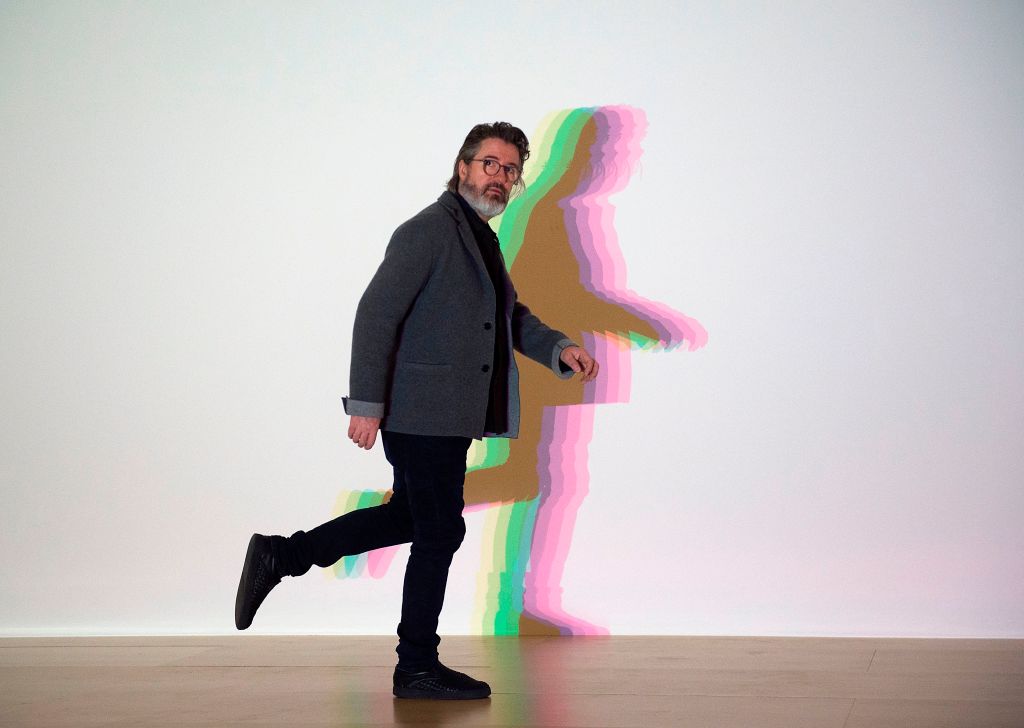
(559, 367)
(363, 409)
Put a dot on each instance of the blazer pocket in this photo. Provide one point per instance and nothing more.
(421, 390)
(424, 366)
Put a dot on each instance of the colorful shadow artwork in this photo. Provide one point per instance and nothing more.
(559, 242)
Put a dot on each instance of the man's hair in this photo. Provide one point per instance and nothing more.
(477, 135)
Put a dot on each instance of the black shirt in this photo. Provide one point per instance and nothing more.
(487, 242)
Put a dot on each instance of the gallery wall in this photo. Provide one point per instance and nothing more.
(792, 233)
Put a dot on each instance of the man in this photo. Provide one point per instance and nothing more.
(432, 369)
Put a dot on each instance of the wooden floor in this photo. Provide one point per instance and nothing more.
(537, 681)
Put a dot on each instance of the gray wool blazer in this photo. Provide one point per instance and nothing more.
(423, 340)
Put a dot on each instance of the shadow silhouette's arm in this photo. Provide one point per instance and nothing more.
(659, 324)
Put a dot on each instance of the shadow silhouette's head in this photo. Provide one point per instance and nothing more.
(616, 151)
(601, 155)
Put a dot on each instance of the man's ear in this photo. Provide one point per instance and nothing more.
(463, 171)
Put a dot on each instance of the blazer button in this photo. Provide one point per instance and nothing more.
(487, 326)
(485, 368)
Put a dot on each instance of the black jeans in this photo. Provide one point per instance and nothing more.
(426, 509)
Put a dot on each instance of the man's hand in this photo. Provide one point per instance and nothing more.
(363, 430)
(580, 362)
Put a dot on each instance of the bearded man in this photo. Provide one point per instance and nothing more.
(432, 369)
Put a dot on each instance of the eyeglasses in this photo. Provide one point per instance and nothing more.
(491, 167)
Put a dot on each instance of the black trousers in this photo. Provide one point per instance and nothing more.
(425, 509)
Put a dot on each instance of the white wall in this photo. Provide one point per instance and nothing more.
(193, 196)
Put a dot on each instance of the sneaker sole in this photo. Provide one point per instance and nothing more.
(240, 596)
(412, 693)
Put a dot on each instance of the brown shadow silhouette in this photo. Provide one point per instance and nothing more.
(569, 268)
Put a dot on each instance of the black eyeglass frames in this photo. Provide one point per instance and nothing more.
(491, 167)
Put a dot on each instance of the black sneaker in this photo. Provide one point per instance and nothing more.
(438, 683)
(259, 576)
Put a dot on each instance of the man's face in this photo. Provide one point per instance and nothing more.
(485, 194)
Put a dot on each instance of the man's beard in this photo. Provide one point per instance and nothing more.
(479, 200)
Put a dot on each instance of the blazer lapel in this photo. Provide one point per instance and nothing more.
(447, 199)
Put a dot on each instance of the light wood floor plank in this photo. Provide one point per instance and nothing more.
(935, 714)
(949, 660)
